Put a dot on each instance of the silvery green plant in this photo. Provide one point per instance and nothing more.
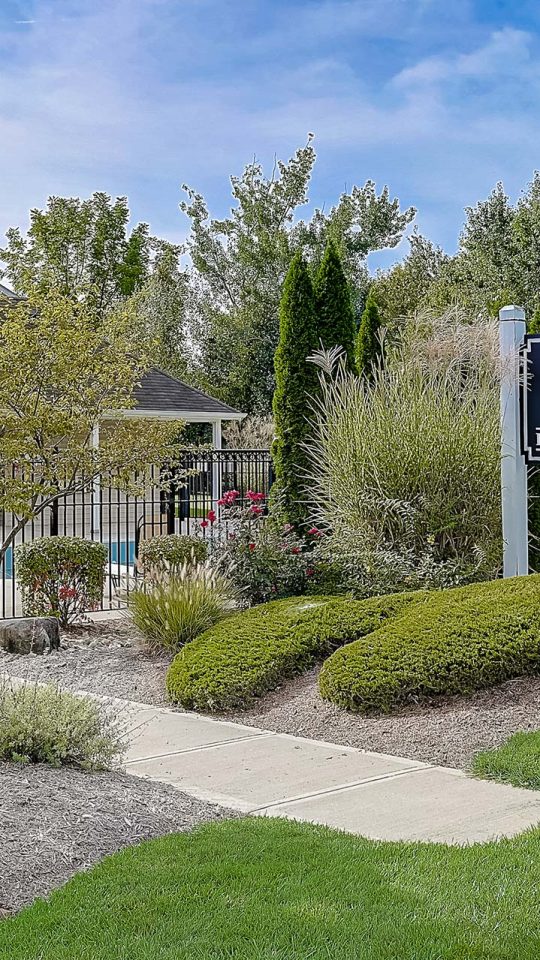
(409, 461)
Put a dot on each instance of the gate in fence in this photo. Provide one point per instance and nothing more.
(120, 521)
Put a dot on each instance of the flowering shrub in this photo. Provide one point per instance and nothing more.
(169, 552)
(263, 559)
(60, 577)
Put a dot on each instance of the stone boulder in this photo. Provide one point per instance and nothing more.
(30, 635)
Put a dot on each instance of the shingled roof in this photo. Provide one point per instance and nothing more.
(159, 393)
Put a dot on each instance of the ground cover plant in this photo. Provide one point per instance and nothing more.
(274, 890)
(457, 641)
(382, 651)
(251, 652)
(517, 761)
(43, 724)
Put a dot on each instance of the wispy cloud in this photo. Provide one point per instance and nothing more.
(136, 96)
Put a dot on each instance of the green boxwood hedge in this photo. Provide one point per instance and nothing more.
(458, 641)
(251, 652)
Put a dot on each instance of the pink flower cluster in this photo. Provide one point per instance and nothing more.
(229, 498)
(315, 532)
(255, 497)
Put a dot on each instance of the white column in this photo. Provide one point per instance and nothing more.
(95, 531)
(216, 467)
(513, 467)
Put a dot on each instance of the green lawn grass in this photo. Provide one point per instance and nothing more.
(259, 889)
(517, 761)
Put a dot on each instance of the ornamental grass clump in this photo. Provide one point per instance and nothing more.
(42, 724)
(172, 610)
(409, 459)
(169, 553)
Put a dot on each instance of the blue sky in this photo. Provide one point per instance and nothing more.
(437, 98)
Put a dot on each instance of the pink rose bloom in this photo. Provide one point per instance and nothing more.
(315, 532)
(255, 511)
(251, 546)
(204, 524)
(211, 516)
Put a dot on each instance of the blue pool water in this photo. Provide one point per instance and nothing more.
(125, 556)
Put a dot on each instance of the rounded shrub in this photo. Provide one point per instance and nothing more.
(457, 641)
(159, 555)
(43, 724)
(60, 577)
(251, 652)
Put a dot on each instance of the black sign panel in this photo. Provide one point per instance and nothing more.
(530, 398)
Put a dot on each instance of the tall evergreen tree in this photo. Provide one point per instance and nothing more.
(335, 317)
(296, 381)
(368, 344)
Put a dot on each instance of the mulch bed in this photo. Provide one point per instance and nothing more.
(107, 658)
(57, 822)
(448, 731)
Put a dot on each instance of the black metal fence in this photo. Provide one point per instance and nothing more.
(110, 516)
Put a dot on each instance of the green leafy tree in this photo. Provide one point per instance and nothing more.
(60, 375)
(368, 341)
(82, 249)
(296, 382)
(334, 313)
(405, 287)
(239, 265)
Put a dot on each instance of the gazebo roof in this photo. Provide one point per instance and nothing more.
(163, 396)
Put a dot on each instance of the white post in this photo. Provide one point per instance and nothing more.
(513, 467)
(95, 530)
(216, 466)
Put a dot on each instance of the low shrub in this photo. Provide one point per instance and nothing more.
(61, 577)
(159, 555)
(173, 610)
(517, 761)
(456, 642)
(42, 724)
(253, 651)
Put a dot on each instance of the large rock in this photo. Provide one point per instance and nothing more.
(30, 635)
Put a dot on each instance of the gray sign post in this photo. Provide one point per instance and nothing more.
(513, 466)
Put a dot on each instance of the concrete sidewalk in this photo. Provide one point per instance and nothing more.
(377, 796)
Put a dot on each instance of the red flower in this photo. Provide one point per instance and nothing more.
(255, 497)
(310, 571)
(295, 550)
(204, 524)
(251, 546)
(315, 532)
(211, 516)
(67, 593)
(255, 511)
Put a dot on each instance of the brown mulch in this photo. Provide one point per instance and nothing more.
(448, 731)
(107, 658)
(57, 822)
